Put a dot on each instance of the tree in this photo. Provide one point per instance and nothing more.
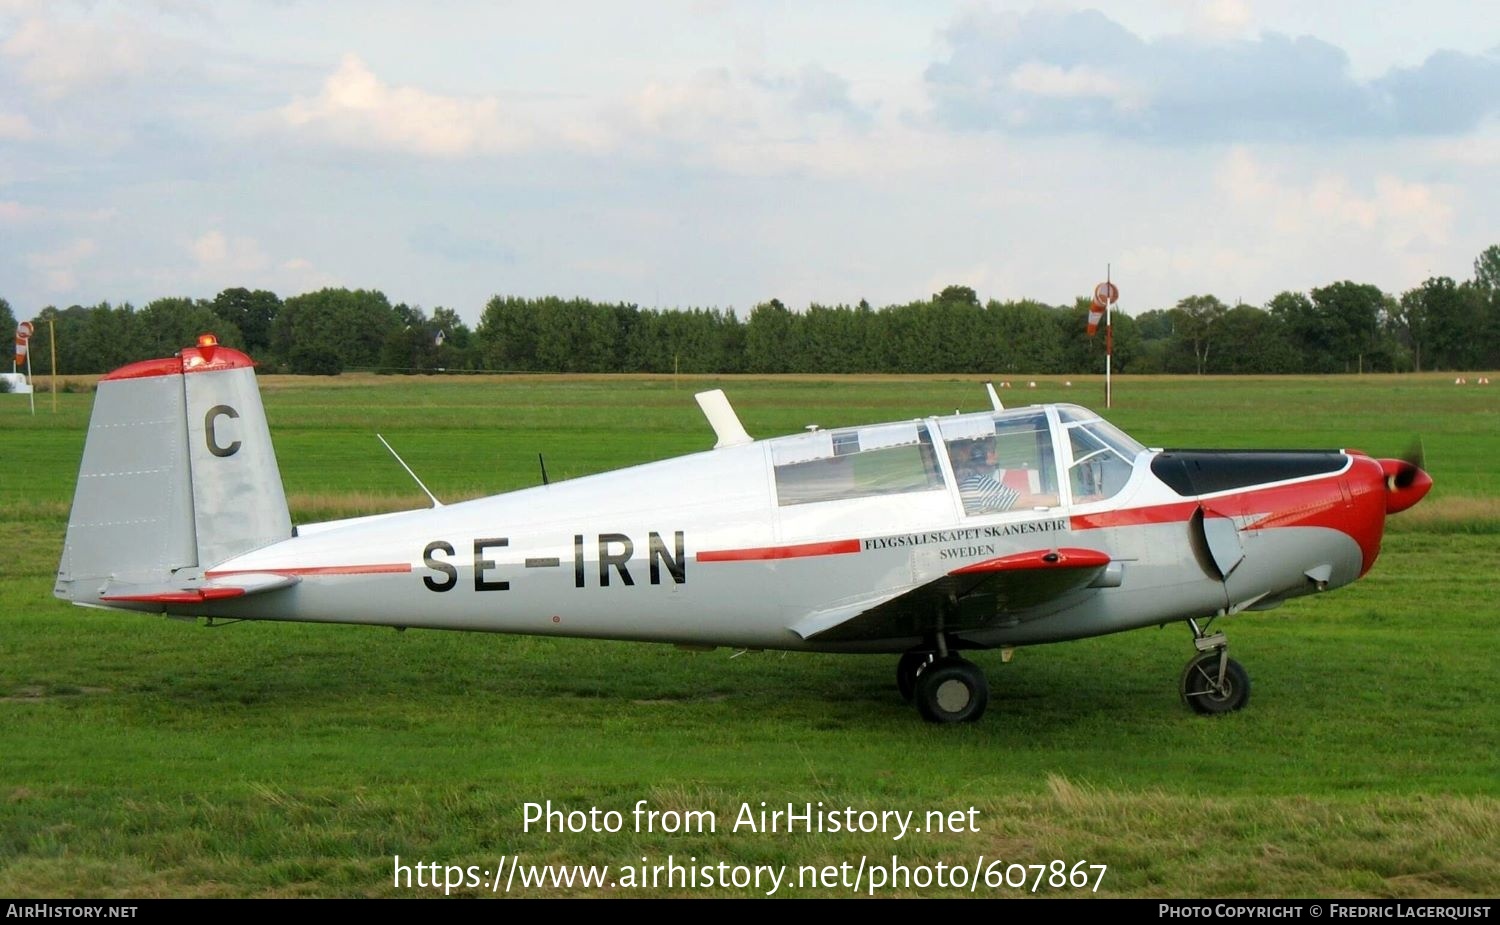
(1411, 322)
(1457, 318)
(507, 335)
(1155, 324)
(165, 326)
(456, 351)
(349, 324)
(1027, 337)
(1251, 340)
(7, 319)
(771, 339)
(1487, 269)
(1195, 320)
(412, 348)
(1295, 313)
(954, 332)
(104, 337)
(1348, 332)
(254, 313)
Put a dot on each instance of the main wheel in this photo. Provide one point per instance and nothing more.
(951, 690)
(1202, 690)
(907, 669)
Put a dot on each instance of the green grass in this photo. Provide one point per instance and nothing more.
(141, 756)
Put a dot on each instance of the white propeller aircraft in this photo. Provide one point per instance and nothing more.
(921, 538)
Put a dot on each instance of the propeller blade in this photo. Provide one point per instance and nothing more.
(1415, 454)
(1414, 460)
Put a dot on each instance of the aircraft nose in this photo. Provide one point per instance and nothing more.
(1405, 484)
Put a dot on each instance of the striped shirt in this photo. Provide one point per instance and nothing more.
(982, 494)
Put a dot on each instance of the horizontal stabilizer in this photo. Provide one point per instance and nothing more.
(241, 586)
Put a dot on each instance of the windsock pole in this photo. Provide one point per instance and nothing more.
(1109, 346)
(52, 342)
(1105, 295)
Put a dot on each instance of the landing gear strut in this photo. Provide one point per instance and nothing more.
(944, 687)
(1212, 682)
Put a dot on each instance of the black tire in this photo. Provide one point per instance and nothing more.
(907, 669)
(952, 690)
(1201, 690)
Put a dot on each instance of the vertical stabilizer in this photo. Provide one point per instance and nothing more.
(178, 474)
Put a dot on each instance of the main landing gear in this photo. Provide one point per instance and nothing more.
(1212, 682)
(944, 687)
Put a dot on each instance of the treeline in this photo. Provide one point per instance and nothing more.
(1342, 327)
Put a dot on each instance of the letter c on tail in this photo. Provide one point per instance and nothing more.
(214, 413)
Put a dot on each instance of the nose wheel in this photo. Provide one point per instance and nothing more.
(1213, 683)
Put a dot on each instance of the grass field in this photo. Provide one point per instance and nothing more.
(141, 756)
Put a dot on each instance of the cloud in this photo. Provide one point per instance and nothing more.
(1217, 18)
(58, 268)
(436, 240)
(816, 91)
(1078, 82)
(216, 253)
(12, 212)
(60, 59)
(1052, 71)
(1258, 227)
(754, 122)
(215, 260)
(15, 126)
(1397, 215)
(300, 275)
(1449, 93)
(15, 213)
(357, 109)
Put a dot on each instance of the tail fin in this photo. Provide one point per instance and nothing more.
(178, 475)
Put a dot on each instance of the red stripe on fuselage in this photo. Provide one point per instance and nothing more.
(1135, 516)
(836, 548)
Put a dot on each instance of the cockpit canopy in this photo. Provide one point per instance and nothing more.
(1031, 458)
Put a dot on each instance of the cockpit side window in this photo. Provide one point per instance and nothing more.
(1003, 462)
(859, 463)
(1103, 459)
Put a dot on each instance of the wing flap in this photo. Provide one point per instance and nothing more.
(977, 596)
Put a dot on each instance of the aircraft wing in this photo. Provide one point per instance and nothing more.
(977, 596)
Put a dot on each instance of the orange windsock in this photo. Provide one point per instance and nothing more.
(1104, 294)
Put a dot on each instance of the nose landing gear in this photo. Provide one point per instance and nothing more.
(1213, 683)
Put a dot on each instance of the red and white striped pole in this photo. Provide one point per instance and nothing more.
(1105, 295)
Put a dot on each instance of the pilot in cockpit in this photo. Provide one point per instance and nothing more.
(979, 484)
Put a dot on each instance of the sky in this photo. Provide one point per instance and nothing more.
(712, 153)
